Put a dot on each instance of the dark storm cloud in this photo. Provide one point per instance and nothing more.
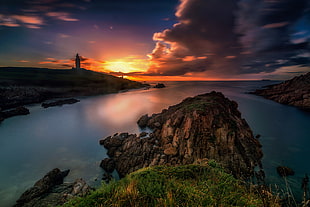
(246, 36)
(205, 32)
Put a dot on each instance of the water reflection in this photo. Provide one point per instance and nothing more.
(67, 137)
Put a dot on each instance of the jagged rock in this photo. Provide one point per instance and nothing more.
(206, 126)
(60, 102)
(142, 122)
(51, 191)
(143, 134)
(159, 85)
(295, 92)
(285, 171)
(108, 165)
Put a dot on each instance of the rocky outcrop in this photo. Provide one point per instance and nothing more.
(159, 85)
(295, 92)
(13, 112)
(206, 126)
(285, 171)
(60, 102)
(51, 191)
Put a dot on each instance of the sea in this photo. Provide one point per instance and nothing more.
(67, 137)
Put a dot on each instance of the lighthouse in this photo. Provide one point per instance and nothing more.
(77, 62)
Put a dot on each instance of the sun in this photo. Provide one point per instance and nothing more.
(120, 66)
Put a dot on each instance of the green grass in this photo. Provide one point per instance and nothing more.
(189, 185)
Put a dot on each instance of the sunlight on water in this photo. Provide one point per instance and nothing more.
(67, 137)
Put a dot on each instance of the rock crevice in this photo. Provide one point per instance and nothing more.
(206, 126)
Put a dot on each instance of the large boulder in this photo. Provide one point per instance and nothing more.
(206, 126)
(108, 165)
(51, 191)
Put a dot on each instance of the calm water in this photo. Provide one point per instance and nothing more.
(67, 137)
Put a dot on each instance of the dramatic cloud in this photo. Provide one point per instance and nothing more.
(64, 16)
(232, 37)
(200, 41)
(34, 14)
(267, 30)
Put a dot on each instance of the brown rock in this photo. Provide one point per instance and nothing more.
(206, 126)
(108, 165)
(142, 122)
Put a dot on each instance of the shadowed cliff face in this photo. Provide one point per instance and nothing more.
(295, 92)
(206, 126)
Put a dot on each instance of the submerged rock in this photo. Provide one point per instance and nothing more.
(294, 92)
(206, 126)
(51, 191)
(159, 85)
(285, 171)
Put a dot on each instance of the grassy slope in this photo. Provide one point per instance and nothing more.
(189, 185)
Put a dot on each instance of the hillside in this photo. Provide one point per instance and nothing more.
(188, 185)
(19, 86)
(294, 92)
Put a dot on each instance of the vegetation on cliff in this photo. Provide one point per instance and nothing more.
(19, 86)
(205, 126)
(294, 92)
(187, 185)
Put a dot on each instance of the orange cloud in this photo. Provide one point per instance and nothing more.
(275, 25)
(64, 16)
(23, 61)
(35, 20)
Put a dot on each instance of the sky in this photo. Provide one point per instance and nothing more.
(160, 39)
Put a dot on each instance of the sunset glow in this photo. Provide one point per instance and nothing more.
(163, 40)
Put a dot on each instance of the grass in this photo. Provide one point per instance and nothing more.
(188, 185)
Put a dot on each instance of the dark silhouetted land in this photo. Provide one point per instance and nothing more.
(20, 86)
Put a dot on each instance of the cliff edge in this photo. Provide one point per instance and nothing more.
(294, 92)
(205, 126)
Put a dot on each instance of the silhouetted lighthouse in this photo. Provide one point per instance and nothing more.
(77, 62)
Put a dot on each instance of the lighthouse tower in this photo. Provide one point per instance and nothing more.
(77, 62)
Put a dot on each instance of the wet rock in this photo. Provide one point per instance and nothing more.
(142, 122)
(206, 126)
(159, 85)
(143, 134)
(51, 191)
(60, 102)
(108, 165)
(285, 171)
(107, 177)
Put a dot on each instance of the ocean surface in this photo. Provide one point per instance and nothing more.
(68, 137)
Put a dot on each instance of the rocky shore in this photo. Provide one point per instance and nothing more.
(21, 110)
(294, 92)
(206, 126)
(52, 191)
